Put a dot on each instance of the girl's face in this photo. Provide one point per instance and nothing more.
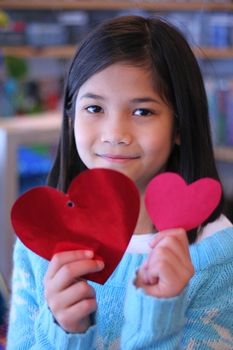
(121, 123)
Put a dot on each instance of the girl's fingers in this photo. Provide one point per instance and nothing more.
(165, 258)
(173, 238)
(178, 232)
(70, 296)
(159, 269)
(77, 316)
(71, 272)
(175, 246)
(77, 292)
(165, 275)
(157, 265)
(172, 248)
(165, 285)
(64, 258)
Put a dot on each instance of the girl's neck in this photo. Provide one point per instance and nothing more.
(144, 224)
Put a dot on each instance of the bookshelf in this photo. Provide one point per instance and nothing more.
(115, 5)
(100, 5)
(67, 51)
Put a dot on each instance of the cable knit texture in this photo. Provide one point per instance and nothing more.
(200, 318)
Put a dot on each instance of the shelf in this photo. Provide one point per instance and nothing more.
(68, 50)
(29, 125)
(224, 154)
(114, 5)
(213, 52)
(27, 51)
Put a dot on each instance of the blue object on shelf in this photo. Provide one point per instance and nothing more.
(33, 167)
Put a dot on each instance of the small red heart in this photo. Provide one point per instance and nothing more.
(99, 213)
(171, 203)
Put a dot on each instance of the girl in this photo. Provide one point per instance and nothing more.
(134, 102)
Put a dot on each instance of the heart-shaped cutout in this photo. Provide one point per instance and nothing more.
(99, 213)
(171, 203)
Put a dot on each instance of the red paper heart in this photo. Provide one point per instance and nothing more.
(171, 203)
(99, 212)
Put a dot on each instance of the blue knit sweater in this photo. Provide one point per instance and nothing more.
(200, 318)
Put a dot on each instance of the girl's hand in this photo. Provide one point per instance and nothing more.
(70, 298)
(168, 268)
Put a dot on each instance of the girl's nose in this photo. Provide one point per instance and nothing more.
(116, 134)
(116, 140)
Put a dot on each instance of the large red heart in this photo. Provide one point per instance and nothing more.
(171, 203)
(99, 212)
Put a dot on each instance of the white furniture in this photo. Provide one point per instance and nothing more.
(15, 131)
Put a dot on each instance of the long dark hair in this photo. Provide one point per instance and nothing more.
(156, 45)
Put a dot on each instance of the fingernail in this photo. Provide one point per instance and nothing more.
(89, 253)
(100, 264)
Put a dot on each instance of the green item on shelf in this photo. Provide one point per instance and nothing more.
(41, 148)
(16, 67)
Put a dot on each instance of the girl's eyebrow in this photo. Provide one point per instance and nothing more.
(145, 99)
(91, 95)
(134, 100)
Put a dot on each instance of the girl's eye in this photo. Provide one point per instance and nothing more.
(94, 109)
(143, 112)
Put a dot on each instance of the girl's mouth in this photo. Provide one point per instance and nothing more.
(117, 158)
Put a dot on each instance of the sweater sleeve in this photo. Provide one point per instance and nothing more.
(31, 324)
(198, 319)
(152, 323)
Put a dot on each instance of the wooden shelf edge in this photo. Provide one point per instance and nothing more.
(224, 153)
(45, 121)
(113, 5)
(67, 51)
(213, 52)
(27, 51)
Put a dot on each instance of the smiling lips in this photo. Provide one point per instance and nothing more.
(117, 158)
